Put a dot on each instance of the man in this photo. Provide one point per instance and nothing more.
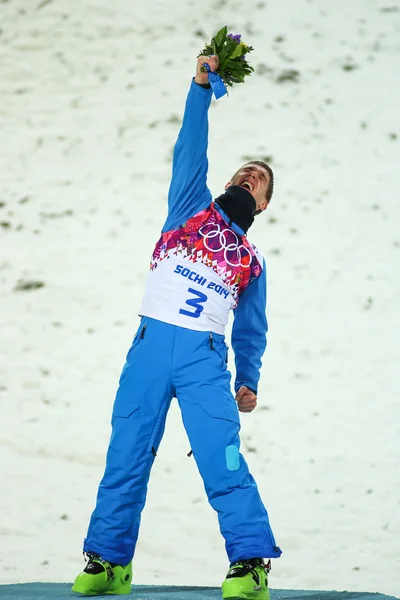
(202, 266)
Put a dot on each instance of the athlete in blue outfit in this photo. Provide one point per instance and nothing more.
(202, 267)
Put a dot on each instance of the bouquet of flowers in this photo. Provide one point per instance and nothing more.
(231, 51)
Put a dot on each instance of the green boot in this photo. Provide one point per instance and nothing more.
(247, 579)
(100, 577)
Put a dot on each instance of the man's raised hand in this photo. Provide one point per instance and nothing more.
(246, 399)
(213, 62)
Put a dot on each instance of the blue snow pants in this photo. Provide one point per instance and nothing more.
(166, 361)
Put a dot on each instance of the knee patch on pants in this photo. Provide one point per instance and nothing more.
(232, 458)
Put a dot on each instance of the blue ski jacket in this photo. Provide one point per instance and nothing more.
(207, 253)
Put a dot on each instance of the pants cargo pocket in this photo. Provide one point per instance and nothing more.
(124, 408)
(218, 409)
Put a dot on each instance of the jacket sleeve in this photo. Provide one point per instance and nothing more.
(188, 192)
(249, 332)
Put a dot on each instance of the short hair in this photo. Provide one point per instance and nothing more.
(260, 163)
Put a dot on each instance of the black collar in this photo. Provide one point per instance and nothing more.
(239, 205)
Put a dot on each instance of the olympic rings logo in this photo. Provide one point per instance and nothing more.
(217, 239)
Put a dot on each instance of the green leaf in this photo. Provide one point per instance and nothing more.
(238, 79)
(237, 52)
(230, 45)
(220, 36)
(247, 49)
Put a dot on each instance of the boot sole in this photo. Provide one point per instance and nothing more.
(123, 590)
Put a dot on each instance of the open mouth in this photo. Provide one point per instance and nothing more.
(247, 185)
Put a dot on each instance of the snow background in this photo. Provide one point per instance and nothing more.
(92, 94)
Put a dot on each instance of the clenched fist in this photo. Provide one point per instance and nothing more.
(246, 399)
(212, 61)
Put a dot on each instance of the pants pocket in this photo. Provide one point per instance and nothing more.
(139, 336)
(124, 408)
(219, 408)
(218, 345)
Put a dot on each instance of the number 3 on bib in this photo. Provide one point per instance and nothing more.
(195, 303)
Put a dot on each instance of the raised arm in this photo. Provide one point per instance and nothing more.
(249, 340)
(188, 192)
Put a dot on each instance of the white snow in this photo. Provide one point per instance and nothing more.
(91, 97)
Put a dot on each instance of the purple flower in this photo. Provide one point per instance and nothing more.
(235, 37)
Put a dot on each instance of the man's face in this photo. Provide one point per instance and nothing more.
(255, 179)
